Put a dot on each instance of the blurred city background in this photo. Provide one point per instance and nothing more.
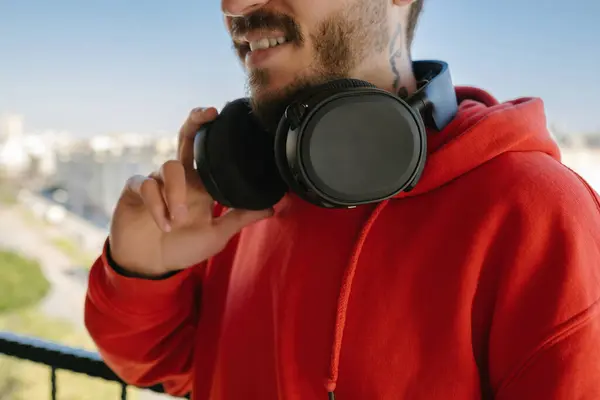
(93, 93)
(56, 196)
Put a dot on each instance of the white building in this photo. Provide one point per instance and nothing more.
(94, 171)
(585, 161)
(13, 157)
(41, 149)
(28, 155)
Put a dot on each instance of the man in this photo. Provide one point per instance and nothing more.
(481, 283)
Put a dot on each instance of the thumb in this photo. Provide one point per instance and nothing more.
(235, 220)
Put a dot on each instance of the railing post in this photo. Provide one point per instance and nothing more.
(53, 383)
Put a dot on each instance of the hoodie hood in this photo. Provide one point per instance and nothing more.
(482, 130)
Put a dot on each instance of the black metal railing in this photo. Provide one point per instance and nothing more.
(59, 357)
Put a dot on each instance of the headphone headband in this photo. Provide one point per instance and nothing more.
(436, 97)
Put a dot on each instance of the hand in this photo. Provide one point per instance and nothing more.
(164, 222)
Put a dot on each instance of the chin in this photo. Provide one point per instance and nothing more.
(271, 98)
(273, 85)
(273, 88)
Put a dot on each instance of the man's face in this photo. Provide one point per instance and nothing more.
(288, 45)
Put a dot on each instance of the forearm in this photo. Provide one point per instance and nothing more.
(144, 329)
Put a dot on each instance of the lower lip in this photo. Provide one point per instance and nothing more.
(259, 58)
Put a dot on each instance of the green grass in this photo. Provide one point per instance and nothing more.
(8, 196)
(22, 286)
(22, 283)
(69, 248)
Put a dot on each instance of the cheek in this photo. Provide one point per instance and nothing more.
(227, 23)
(311, 12)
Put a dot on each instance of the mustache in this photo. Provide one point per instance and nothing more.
(266, 20)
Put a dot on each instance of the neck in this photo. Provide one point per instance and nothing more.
(400, 65)
(396, 76)
(392, 72)
(403, 80)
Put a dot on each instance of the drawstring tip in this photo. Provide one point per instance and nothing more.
(330, 387)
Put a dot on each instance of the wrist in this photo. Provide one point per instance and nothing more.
(126, 269)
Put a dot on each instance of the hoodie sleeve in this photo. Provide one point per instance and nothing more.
(144, 329)
(544, 333)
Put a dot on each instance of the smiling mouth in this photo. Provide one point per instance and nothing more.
(245, 47)
(266, 43)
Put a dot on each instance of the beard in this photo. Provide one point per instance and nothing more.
(341, 43)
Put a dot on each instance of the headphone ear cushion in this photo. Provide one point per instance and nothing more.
(235, 160)
(280, 150)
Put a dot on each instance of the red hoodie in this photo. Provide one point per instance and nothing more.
(481, 283)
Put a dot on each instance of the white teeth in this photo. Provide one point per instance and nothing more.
(259, 44)
(265, 43)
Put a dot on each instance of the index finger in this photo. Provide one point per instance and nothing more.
(187, 133)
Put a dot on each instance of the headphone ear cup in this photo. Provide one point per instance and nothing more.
(234, 158)
(281, 136)
(352, 144)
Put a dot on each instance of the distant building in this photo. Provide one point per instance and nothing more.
(93, 172)
(13, 157)
(581, 153)
(28, 156)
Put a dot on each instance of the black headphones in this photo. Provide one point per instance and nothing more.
(342, 144)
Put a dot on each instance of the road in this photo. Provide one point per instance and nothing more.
(68, 285)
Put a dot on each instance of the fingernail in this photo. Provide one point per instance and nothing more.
(179, 213)
(199, 114)
(195, 115)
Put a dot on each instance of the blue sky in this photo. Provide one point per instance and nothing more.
(139, 65)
